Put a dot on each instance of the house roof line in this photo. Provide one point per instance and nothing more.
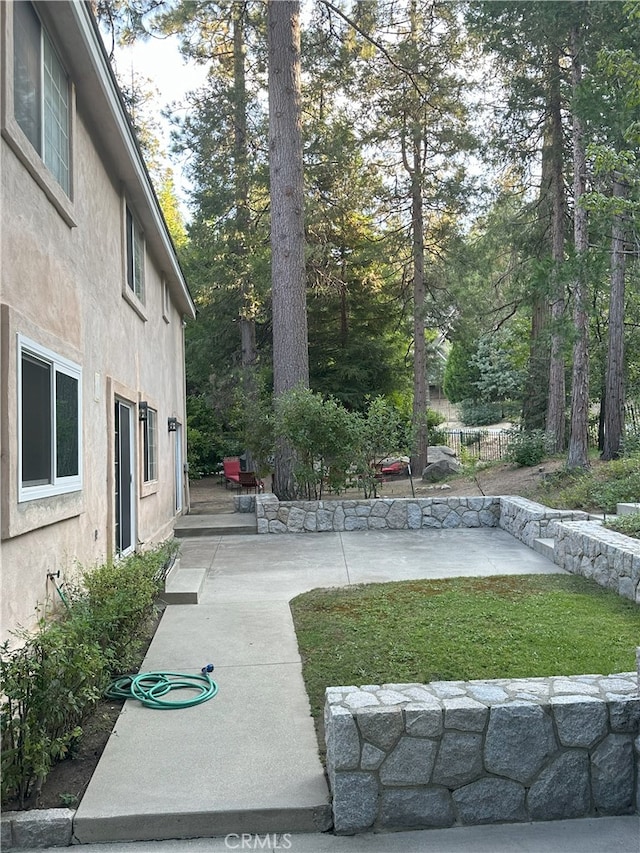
(119, 138)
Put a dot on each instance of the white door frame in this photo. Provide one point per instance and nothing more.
(125, 486)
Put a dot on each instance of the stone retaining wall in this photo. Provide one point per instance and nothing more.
(522, 518)
(408, 756)
(610, 558)
(337, 516)
(528, 521)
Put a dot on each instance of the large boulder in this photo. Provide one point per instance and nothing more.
(438, 452)
(441, 463)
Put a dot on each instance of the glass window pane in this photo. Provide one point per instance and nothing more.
(56, 116)
(151, 446)
(135, 256)
(36, 421)
(66, 425)
(27, 92)
(138, 262)
(129, 229)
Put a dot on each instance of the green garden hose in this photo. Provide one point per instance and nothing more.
(150, 688)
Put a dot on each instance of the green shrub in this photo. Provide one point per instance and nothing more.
(627, 524)
(527, 448)
(475, 413)
(48, 684)
(322, 433)
(568, 489)
(51, 679)
(436, 436)
(631, 442)
(206, 440)
(598, 489)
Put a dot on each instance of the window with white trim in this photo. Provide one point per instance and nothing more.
(135, 255)
(150, 446)
(50, 423)
(41, 92)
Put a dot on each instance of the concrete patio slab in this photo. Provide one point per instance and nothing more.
(247, 760)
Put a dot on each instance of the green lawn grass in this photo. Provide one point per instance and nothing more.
(462, 629)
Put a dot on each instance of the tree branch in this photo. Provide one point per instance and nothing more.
(379, 46)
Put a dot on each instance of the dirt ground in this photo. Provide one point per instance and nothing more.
(210, 495)
(68, 780)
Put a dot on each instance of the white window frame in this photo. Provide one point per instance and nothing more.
(54, 145)
(150, 446)
(59, 365)
(134, 255)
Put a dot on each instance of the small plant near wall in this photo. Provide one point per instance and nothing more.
(51, 679)
(627, 524)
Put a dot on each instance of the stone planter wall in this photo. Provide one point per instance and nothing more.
(610, 558)
(528, 521)
(408, 756)
(522, 518)
(244, 503)
(274, 516)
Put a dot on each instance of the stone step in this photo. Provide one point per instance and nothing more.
(628, 509)
(183, 586)
(546, 547)
(219, 524)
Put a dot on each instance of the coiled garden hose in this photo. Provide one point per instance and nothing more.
(150, 688)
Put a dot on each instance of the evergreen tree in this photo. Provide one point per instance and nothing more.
(288, 284)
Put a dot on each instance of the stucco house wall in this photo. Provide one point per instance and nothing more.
(64, 288)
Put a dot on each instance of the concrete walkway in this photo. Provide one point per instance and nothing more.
(247, 760)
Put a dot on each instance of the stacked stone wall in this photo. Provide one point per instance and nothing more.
(409, 756)
(337, 516)
(612, 559)
(527, 520)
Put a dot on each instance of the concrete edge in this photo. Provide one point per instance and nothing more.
(135, 827)
(39, 828)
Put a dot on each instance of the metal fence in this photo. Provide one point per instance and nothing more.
(632, 417)
(490, 445)
(487, 445)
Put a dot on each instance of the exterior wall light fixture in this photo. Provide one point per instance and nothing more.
(172, 424)
(143, 410)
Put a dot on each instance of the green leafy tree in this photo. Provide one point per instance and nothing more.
(322, 434)
(461, 373)
(382, 432)
(499, 378)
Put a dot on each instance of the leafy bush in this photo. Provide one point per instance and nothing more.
(600, 488)
(623, 490)
(527, 448)
(206, 441)
(475, 413)
(434, 419)
(323, 435)
(381, 432)
(51, 680)
(627, 524)
(332, 444)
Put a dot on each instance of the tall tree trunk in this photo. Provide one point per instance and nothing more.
(614, 378)
(247, 310)
(578, 456)
(288, 294)
(555, 421)
(420, 430)
(420, 446)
